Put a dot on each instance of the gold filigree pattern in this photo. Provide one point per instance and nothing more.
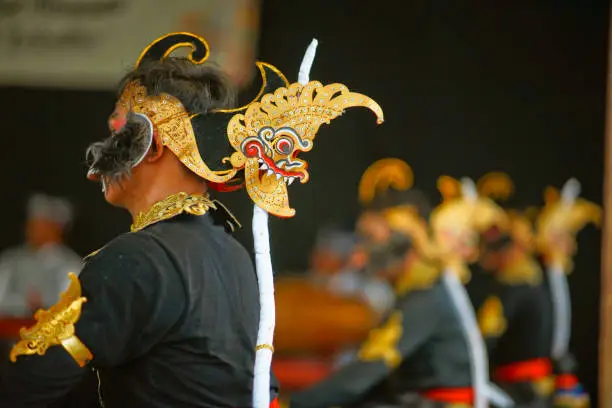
(270, 134)
(173, 125)
(382, 175)
(382, 343)
(56, 327)
(491, 318)
(176, 204)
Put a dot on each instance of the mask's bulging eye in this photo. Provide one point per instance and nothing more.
(284, 146)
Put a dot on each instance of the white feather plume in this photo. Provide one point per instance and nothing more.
(570, 191)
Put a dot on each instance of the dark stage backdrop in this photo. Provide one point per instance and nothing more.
(465, 90)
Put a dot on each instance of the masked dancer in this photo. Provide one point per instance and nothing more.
(169, 314)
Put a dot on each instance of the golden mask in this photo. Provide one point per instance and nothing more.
(170, 120)
(268, 137)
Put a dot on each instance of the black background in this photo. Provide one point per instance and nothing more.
(465, 90)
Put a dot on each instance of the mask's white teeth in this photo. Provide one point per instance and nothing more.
(281, 165)
(264, 166)
(260, 160)
(278, 176)
(270, 171)
(285, 179)
(291, 180)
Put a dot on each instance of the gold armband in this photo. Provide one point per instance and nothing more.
(56, 327)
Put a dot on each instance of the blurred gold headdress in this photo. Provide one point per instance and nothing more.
(500, 187)
(388, 179)
(456, 222)
(563, 216)
(495, 185)
(382, 175)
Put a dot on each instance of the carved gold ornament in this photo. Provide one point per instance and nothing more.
(56, 327)
(382, 343)
(491, 318)
(170, 120)
(268, 137)
(172, 124)
(176, 204)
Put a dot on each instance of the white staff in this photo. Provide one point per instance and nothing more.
(265, 277)
(562, 310)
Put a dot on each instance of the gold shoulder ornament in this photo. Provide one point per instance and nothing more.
(382, 343)
(423, 274)
(55, 327)
(491, 318)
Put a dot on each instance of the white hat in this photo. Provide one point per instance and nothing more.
(55, 209)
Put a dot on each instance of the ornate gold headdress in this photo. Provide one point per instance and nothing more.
(171, 120)
(269, 136)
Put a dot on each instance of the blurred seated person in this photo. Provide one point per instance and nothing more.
(33, 275)
(336, 265)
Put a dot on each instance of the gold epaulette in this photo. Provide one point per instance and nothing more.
(422, 275)
(382, 343)
(491, 320)
(56, 327)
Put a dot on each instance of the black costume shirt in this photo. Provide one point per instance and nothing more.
(419, 346)
(171, 318)
(515, 318)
